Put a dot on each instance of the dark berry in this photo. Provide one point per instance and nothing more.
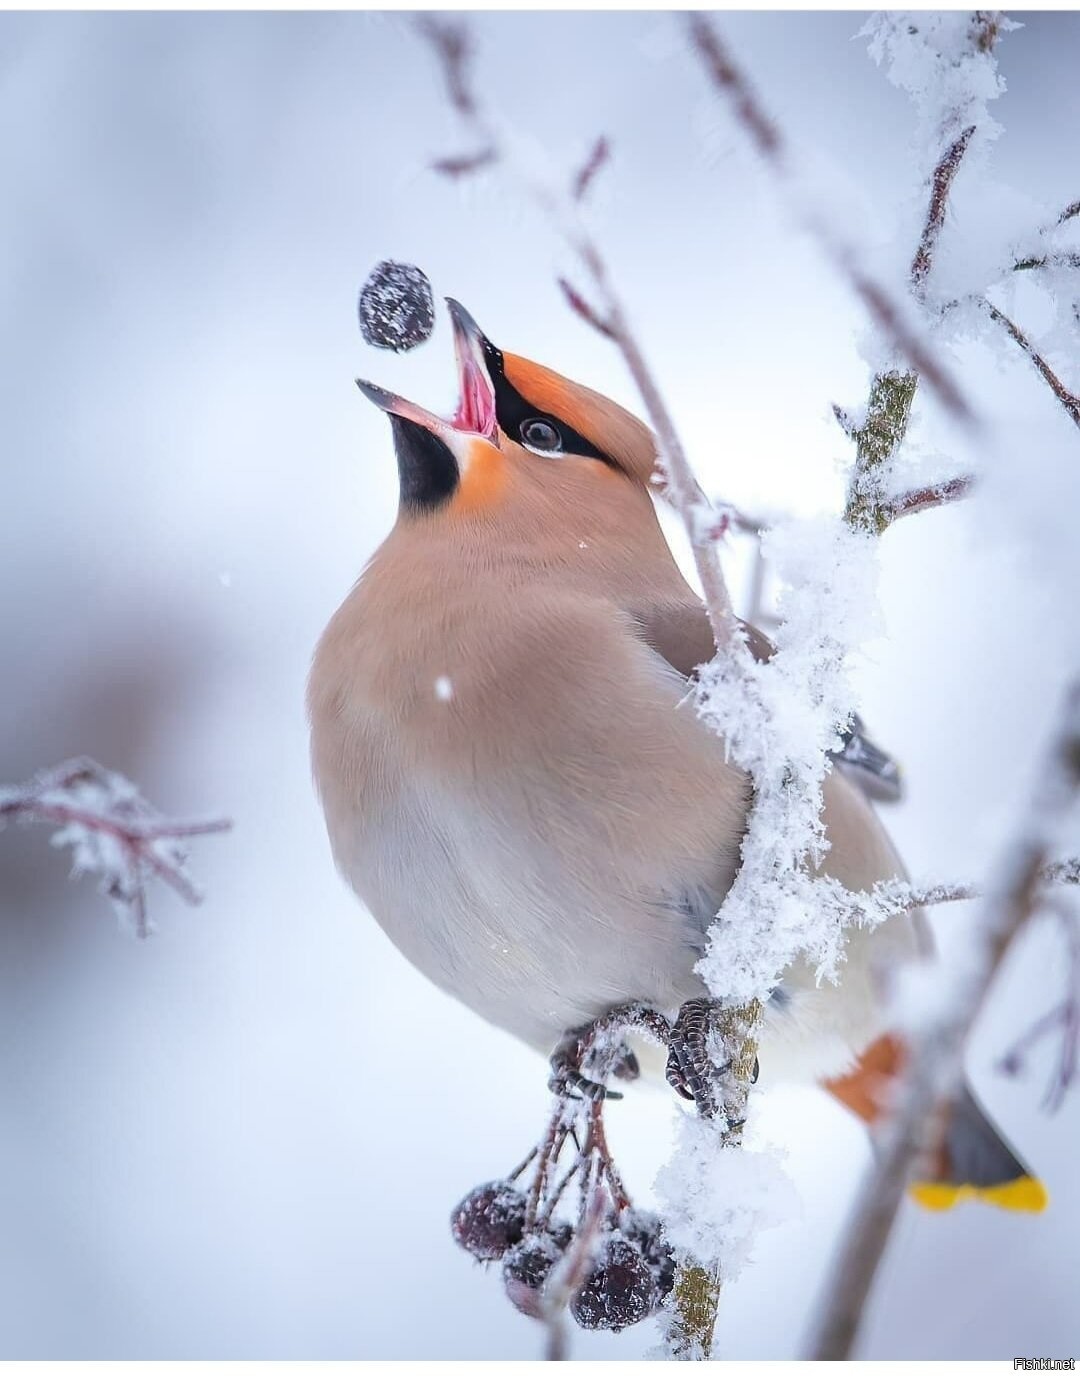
(489, 1220)
(525, 1269)
(619, 1290)
(396, 307)
(644, 1229)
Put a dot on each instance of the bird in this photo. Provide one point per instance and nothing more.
(515, 783)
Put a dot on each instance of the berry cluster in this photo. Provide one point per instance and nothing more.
(626, 1271)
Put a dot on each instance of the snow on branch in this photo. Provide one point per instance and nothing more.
(934, 1074)
(890, 313)
(113, 831)
(1068, 399)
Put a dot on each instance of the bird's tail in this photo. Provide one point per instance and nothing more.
(974, 1161)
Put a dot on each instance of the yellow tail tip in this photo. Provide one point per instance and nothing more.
(1025, 1195)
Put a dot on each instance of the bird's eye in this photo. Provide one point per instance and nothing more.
(541, 436)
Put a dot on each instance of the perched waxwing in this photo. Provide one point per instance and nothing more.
(513, 780)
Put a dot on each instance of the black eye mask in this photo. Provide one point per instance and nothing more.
(512, 410)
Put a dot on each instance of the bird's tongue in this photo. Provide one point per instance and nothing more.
(476, 409)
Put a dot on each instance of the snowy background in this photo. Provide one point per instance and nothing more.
(244, 1137)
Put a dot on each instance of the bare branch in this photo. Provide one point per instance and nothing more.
(1070, 401)
(464, 164)
(1069, 213)
(767, 139)
(924, 498)
(940, 186)
(451, 41)
(598, 157)
(1048, 260)
(608, 315)
(580, 306)
(114, 832)
(934, 1073)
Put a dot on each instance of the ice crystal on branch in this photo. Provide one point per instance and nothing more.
(113, 832)
(945, 61)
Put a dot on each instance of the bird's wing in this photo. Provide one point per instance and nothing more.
(680, 633)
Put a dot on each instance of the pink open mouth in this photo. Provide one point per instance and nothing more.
(476, 409)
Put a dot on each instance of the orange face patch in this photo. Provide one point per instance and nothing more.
(483, 478)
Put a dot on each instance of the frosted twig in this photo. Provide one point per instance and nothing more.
(450, 41)
(924, 498)
(933, 1074)
(942, 180)
(1070, 401)
(114, 832)
(880, 436)
(888, 313)
(1047, 260)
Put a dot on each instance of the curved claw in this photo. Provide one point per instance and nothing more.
(565, 1080)
(690, 1070)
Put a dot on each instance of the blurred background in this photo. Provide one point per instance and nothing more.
(205, 1151)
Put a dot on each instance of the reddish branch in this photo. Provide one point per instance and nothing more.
(114, 831)
(731, 82)
(923, 498)
(451, 46)
(598, 157)
(940, 186)
(1070, 401)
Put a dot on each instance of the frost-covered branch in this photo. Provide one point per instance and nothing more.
(113, 831)
(925, 498)
(889, 313)
(933, 1076)
(941, 182)
(1068, 399)
(451, 43)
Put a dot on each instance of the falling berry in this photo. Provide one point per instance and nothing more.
(396, 308)
(619, 1290)
(489, 1220)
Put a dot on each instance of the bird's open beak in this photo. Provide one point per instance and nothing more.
(394, 405)
(475, 414)
(476, 409)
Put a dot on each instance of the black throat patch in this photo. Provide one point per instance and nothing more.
(427, 471)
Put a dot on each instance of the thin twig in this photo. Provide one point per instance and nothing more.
(924, 498)
(941, 183)
(451, 46)
(764, 134)
(1047, 260)
(933, 1076)
(1069, 400)
(599, 155)
(114, 832)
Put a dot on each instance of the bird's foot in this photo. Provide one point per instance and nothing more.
(601, 1047)
(567, 1080)
(691, 1069)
